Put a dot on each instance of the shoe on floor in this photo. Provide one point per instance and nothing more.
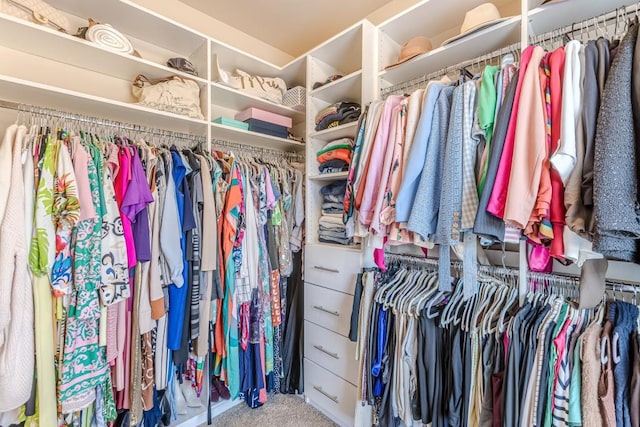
(223, 391)
(190, 395)
(213, 391)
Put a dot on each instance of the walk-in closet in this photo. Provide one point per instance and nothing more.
(372, 213)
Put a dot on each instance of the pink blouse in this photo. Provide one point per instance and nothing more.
(498, 197)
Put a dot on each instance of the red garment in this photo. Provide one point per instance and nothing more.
(557, 214)
(499, 192)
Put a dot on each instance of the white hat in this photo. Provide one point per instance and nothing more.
(476, 19)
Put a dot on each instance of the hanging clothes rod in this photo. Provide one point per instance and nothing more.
(292, 156)
(50, 112)
(196, 139)
(416, 83)
(598, 23)
(555, 279)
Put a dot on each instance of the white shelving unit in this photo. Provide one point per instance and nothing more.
(233, 99)
(229, 133)
(348, 88)
(29, 92)
(492, 38)
(329, 177)
(337, 132)
(439, 20)
(329, 383)
(57, 70)
(549, 17)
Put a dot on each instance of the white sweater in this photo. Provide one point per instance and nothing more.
(16, 298)
(5, 167)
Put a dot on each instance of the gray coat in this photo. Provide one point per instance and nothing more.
(615, 183)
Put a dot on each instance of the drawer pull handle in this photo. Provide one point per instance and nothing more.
(327, 352)
(330, 270)
(321, 308)
(321, 391)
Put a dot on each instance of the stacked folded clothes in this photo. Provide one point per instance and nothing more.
(335, 156)
(337, 114)
(331, 228)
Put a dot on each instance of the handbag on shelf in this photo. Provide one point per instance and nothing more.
(269, 88)
(36, 11)
(174, 94)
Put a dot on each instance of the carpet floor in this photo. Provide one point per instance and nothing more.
(281, 410)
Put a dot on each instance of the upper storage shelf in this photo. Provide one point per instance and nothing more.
(488, 40)
(230, 59)
(438, 20)
(347, 88)
(137, 22)
(553, 16)
(31, 93)
(48, 43)
(343, 51)
(237, 100)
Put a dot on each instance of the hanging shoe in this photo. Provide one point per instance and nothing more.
(222, 389)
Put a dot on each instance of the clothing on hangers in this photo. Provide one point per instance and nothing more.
(439, 358)
(141, 248)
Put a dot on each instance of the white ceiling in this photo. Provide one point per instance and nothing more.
(293, 26)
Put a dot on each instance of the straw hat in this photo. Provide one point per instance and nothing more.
(476, 19)
(414, 47)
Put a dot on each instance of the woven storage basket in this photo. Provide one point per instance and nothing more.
(295, 98)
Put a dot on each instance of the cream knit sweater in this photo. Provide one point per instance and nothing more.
(16, 307)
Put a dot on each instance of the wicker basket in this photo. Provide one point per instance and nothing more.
(295, 98)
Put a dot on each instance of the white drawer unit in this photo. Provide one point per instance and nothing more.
(332, 267)
(328, 308)
(329, 393)
(331, 351)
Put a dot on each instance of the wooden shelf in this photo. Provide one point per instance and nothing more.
(237, 100)
(336, 176)
(256, 139)
(48, 43)
(38, 94)
(347, 88)
(343, 131)
(474, 45)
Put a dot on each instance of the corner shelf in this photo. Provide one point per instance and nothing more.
(342, 131)
(336, 176)
(255, 139)
(484, 41)
(29, 92)
(224, 96)
(346, 88)
(55, 45)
